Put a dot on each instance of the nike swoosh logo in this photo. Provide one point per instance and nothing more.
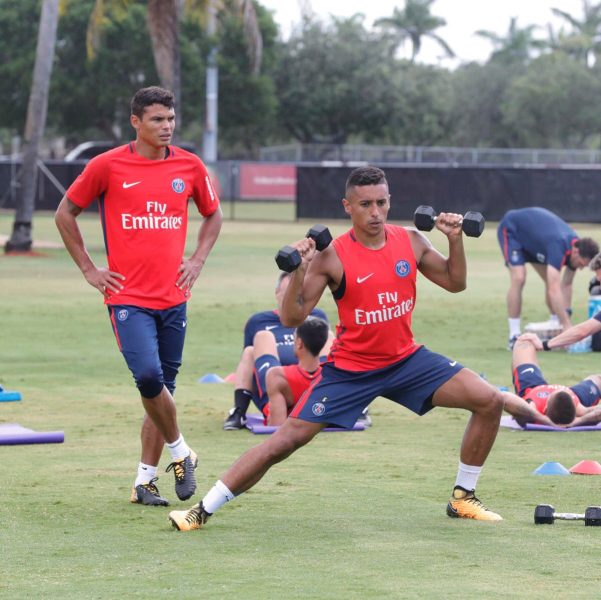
(263, 366)
(128, 185)
(452, 364)
(530, 370)
(270, 327)
(362, 279)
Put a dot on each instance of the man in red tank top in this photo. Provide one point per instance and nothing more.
(371, 272)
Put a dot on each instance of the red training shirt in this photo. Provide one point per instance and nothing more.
(374, 328)
(143, 208)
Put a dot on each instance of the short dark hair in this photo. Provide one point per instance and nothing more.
(151, 95)
(314, 334)
(367, 175)
(560, 408)
(587, 247)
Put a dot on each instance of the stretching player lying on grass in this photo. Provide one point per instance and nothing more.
(536, 401)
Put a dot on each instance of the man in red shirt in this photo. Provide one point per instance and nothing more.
(143, 189)
(371, 272)
(279, 387)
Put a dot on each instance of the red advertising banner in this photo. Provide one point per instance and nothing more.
(267, 181)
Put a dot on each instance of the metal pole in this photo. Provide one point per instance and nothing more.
(209, 152)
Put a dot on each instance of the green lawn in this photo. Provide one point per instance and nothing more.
(353, 515)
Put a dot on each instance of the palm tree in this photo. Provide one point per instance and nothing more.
(35, 124)
(416, 22)
(584, 42)
(163, 19)
(516, 45)
(163, 22)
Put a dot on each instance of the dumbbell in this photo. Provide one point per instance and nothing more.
(544, 514)
(472, 222)
(289, 259)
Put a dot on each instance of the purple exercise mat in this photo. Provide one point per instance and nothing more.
(254, 423)
(509, 422)
(12, 434)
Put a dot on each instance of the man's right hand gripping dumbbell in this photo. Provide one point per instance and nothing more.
(289, 259)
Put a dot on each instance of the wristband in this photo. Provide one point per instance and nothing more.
(569, 311)
(546, 346)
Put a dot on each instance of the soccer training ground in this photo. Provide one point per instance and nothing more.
(352, 515)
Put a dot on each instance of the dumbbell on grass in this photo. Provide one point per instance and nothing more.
(472, 222)
(544, 514)
(289, 259)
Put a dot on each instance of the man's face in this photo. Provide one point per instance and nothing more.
(368, 207)
(156, 126)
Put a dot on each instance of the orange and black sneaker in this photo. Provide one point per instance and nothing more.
(464, 505)
(187, 520)
(148, 494)
(185, 481)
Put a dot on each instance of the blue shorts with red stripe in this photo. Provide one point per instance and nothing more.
(528, 375)
(152, 343)
(338, 397)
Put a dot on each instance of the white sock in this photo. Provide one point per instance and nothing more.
(179, 449)
(216, 497)
(514, 326)
(145, 474)
(467, 476)
(554, 319)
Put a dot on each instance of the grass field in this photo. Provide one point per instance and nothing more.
(353, 515)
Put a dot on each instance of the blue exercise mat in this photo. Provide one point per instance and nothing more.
(12, 434)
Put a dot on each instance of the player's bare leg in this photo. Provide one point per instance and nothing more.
(517, 280)
(247, 471)
(161, 409)
(469, 391)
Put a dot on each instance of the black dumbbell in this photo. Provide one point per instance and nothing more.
(472, 223)
(544, 514)
(289, 259)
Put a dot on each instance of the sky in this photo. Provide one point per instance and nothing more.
(463, 18)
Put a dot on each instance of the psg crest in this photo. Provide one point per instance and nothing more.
(178, 185)
(402, 268)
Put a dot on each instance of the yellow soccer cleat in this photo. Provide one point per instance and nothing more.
(187, 520)
(464, 505)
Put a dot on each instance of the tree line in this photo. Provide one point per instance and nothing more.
(333, 80)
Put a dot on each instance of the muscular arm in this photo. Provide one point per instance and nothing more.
(590, 417)
(567, 287)
(575, 334)
(524, 412)
(102, 279)
(555, 296)
(308, 282)
(207, 236)
(280, 396)
(448, 273)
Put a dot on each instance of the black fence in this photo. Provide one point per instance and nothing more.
(572, 193)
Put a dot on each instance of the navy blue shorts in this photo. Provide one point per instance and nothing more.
(529, 375)
(152, 343)
(262, 365)
(513, 251)
(338, 397)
